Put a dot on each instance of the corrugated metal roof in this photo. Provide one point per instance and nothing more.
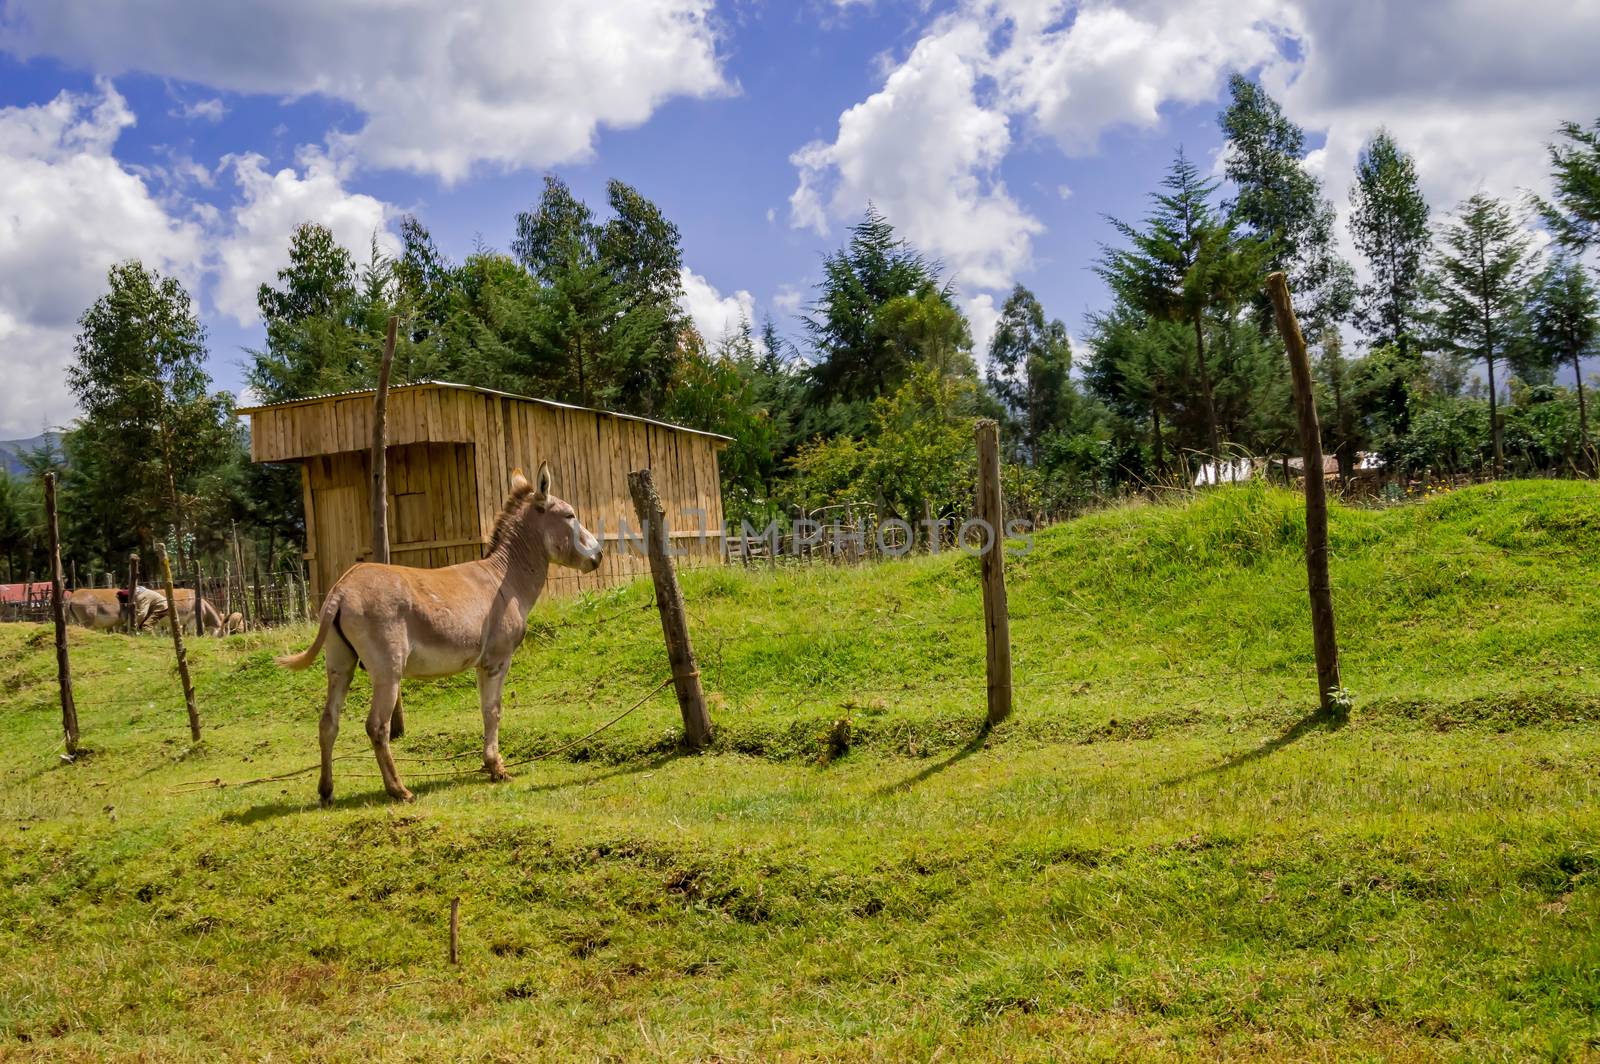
(307, 400)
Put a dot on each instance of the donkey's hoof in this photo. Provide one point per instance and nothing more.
(325, 801)
(402, 795)
(498, 774)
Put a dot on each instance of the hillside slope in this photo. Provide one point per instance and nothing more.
(1164, 852)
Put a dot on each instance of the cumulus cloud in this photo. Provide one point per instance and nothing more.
(1473, 88)
(442, 85)
(925, 150)
(71, 211)
(1476, 106)
(1078, 70)
(715, 315)
(254, 243)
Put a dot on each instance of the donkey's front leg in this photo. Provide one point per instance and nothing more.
(491, 682)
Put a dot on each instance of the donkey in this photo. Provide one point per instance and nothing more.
(396, 621)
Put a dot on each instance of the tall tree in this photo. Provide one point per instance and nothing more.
(310, 346)
(1281, 202)
(1029, 362)
(1481, 277)
(856, 359)
(1185, 262)
(1566, 324)
(140, 379)
(1389, 223)
(1574, 216)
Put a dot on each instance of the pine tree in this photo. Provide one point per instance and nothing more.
(1279, 201)
(1481, 282)
(1389, 223)
(1574, 216)
(856, 359)
(1566, 324)
(1183, 264)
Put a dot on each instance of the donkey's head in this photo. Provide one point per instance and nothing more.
(535, 516)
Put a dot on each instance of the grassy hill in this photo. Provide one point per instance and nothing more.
(1163, 854)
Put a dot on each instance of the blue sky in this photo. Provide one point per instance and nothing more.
(995, 133)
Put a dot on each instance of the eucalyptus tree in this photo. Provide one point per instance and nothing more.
(1566, 324)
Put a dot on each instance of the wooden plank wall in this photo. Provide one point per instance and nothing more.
(453, 493)
(590, 456)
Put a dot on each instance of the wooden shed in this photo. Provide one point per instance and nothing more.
(451, 452)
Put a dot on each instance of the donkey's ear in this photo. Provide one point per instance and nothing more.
(542, 491)
(519, 483)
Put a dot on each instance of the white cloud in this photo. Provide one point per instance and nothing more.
(983, 317)
(442, 85)
(1117, 64)
(211, 110)
(1476, 107)
(255, 243)
(925, 150)
(788, 299)
(715, 315)
(70, 212)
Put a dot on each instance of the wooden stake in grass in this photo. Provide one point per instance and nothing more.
(455, 930)
(669, 600)
(380, 439)
(996, 615)
(133, 586)
(199, 608)
(58, 609)
(1329, 687)
(177, 642)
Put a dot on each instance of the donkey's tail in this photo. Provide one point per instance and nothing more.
(326, 620)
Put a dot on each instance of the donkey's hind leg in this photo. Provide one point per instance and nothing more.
(341, 664)
(385, 694)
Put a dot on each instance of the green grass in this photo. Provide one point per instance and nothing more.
(1164, 853)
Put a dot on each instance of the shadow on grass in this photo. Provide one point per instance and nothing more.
(628, 769)
(1314, 721)
(375, 796)
(972, 746)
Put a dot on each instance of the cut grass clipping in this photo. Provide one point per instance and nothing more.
(1164, 853)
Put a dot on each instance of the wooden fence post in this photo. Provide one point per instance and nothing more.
(177, 642)
(133, 586)
(58, 608)
(244, 590)
(380, 460)
(1329, 687)
(455, 926)
(669, 600)
(199, 601)
(996, 615)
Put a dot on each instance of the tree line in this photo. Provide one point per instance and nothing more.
(1445, 361)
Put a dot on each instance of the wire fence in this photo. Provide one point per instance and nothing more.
(1044, 672)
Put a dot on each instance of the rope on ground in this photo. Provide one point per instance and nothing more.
(218, 782)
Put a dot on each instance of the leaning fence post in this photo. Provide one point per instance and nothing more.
(133, 587)
(177, 642)
(669, 600)
(58, 608)
(1322, 629)
(996, 617)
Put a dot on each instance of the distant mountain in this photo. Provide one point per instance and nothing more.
(11, 451)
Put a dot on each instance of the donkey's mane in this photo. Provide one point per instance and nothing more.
(506, 523)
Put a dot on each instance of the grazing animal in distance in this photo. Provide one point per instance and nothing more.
(154, 610)
(403, 622)
(99, 608)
